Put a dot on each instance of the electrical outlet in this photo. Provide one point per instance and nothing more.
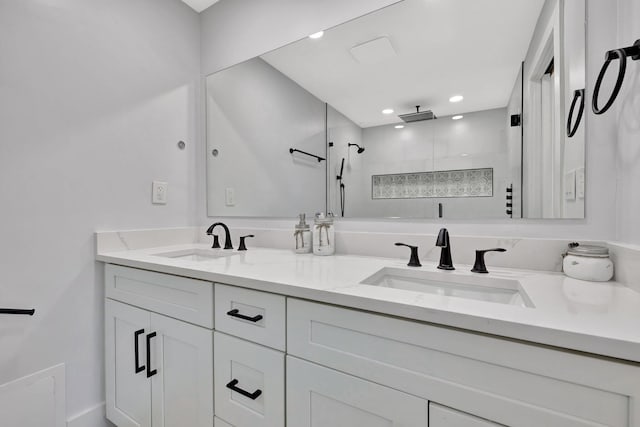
(230, 197)
(159, 193)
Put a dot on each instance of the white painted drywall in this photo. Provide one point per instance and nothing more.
(94, 97)
(255, 114)
(627, 131)
(234, 31)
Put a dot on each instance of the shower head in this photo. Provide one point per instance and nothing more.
(360, 149)
(418, 116)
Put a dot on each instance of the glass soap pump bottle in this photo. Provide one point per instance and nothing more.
(323, 235)
(303, 236)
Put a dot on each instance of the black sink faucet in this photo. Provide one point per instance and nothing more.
(480, 266)
(445, 255)
(414, 261)
(227, 236)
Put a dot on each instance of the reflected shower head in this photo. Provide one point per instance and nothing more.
(360, 149)
(418, 116)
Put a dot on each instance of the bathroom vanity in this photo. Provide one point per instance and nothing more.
(196, 337)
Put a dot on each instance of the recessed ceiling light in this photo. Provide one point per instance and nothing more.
(387, 111)
(464, 155)
(317, 35)
(456, 117)
(399, 126)
(456, 98)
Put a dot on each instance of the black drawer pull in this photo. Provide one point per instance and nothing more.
(27, 312)
(253, 396)
(150, 372)
(236, 313)
(136, 348)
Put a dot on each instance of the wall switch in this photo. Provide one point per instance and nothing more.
(230, 197)
(159, 193)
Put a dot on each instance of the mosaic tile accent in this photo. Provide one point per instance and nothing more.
(437, 184)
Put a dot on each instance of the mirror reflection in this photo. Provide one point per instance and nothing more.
(424, 109)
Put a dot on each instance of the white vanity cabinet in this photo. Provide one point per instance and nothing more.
(159, 370)
(276, 361)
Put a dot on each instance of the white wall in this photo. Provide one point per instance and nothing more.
(234, 31)
(94, 97)
(628, 127)
(255, 114)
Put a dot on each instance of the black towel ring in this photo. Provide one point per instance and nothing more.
(571, 131)
(621, 55)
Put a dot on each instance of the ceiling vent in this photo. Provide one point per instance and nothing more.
(374, 51)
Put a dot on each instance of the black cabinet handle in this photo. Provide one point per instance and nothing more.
(150, 372)
(236, 313)
(253, 396)
(136, 349)
(28, 312)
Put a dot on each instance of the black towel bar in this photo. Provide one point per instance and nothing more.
(295, 150)
(621, 55)
(28, 312)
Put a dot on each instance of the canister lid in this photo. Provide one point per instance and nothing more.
(588, 250)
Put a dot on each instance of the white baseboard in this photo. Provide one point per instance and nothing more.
(92, 417)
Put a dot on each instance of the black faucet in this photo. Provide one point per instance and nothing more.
(227, 236)
(242, 246)
(445, 255)
(479, 266)
(414, 261)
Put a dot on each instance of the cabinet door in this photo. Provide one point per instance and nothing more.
(318, 396)
(128, 388)
(441, 416)
(182, 387)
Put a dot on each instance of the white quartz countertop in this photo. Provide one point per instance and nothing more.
(598, 318)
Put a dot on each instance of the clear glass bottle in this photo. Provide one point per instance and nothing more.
(303, 236)
(323, 235)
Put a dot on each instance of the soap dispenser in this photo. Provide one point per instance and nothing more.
(303, 236)
(323, 235)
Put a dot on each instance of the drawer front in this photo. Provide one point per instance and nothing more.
(248, 383)
(441, 416)
(252, 315)
(322, 397)
(178, 297)
(217, 422)
(510, 383)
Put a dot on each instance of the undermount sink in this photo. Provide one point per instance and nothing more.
(481, 288)
(198, 254)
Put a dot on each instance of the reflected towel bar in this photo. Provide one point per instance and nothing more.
(295, 150)
(28, 312)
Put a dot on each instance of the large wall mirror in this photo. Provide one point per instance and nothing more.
(461, 109)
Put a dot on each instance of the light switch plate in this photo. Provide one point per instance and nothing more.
(580, 183)
(159, 193)
(230, 196)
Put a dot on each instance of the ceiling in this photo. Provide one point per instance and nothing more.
(423, 52)
(199, 5)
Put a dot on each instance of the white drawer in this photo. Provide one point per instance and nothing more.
(248, 383)
(441, 416)
(174, 296)
(217, 422)
(508, 382)
(252, 315)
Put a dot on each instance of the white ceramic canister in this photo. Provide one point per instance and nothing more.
(587, 262)
(323, 235)
(303, 236)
